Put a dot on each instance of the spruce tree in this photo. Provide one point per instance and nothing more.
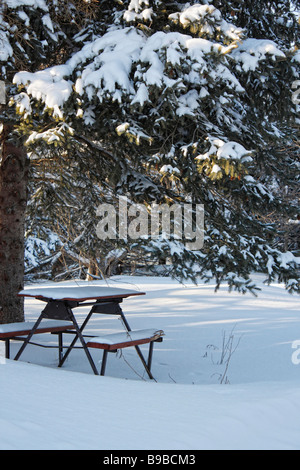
(187, 104)
(34, 34)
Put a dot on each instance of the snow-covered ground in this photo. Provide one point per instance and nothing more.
(248, 400)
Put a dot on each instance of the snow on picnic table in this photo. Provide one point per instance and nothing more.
(186, 407)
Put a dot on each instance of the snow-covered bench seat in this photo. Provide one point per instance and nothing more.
(115, 341)
(20, 330)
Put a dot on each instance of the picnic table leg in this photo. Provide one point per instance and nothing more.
(149, 363)
(104, 360)
(60, 345)
(29, 337)
(136, 347)
(78, 335)
(64, 357)
(7, 348)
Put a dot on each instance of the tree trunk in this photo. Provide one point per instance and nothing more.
(14, 166)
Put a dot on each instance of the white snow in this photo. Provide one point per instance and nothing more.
(186, 407)
(47, 22)
(132, 14)
(225, 150)
(47, 88)
(288, 258)
(77, 292)
(201, 16)
(142, 95)
(30, 3)
(122, 128)
(23, 326)
(252, 51)
(216, 168)
(117, 338)
(104, 67)
(169, 169)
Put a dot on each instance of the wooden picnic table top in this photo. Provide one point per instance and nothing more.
(78, 293)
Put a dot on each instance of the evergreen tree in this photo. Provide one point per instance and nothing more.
(181, 103)
(34, 34)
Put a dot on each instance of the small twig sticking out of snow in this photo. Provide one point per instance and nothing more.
(227, 353)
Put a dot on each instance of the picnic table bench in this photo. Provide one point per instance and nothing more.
(114, 342)
(20, 330)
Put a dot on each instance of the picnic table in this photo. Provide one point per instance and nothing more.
(60, 303)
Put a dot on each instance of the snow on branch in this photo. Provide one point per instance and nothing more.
(137, 12)
(206, 20)
(123, 64)
(251, 52)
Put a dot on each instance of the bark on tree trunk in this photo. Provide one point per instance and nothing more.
(14, 166)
